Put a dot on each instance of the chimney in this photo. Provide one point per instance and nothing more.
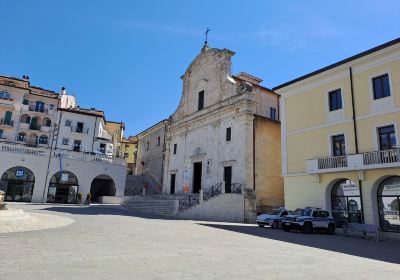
(25, 78)
(63, 91)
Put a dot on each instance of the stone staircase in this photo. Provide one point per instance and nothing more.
(147, 204)
(171, 204)
(159, 204)
(134, 185)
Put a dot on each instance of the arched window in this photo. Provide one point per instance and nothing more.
(389, 204)
(21, 137)
(346, 202)
(43, 140)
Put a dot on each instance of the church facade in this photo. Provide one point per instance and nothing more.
(225, 130)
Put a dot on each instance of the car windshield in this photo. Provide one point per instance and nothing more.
(306, 212)
(297, 212)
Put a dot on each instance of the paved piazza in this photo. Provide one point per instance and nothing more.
(108, 242)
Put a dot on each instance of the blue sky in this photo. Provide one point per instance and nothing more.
(126, 57)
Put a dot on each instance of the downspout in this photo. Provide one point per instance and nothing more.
(94, 132)
(163, 156)
(254, 152)
(356, 139)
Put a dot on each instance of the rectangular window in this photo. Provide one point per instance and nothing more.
(175, 148)
(387, 137)
(200, 104)
(228, 134)
(51, 106)
(65, 141)
(25, 102)
(68, 123)
(272, 113)
(5, 95)
(335, 100)
(338, 145)
(147, 146)
(77, 145)
(381, 86)
(126, 155)
(158, 141)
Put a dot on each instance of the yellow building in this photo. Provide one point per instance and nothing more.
(339, 130)
(128, 150)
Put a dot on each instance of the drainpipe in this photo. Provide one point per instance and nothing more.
(356, 139)
(163, 156)
(94, 132)
(254, 152)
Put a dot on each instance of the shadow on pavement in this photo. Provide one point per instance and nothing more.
(387, 251)
(102, 210)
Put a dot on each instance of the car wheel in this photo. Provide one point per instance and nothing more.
(260, 225)
(307, 228)
(275, 225)
(331, 228)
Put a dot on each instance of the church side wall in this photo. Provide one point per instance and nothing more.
(269, 180)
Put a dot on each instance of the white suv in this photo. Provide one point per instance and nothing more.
(272, 219)
(310, 219)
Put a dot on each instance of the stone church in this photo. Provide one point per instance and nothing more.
(225, 131)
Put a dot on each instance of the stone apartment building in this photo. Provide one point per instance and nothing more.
(51, 149)
(226, 130)
(340, 138)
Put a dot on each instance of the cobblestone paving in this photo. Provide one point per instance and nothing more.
(111, 243)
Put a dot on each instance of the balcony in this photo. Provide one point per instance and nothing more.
(8, 102)
(44, 128)
(78, 129)
(44, 111)
(6, 122)
(364, 161)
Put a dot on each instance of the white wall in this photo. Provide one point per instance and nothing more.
(85, 172)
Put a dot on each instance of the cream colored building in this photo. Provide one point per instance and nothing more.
(116, 129)
(51, 150)
(340, 138)
(129, 152)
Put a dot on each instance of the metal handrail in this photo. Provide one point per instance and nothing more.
(188, 201)
(212, 191)
(236, 188)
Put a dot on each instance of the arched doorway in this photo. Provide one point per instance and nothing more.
(389, 204)
(346, 203)
(63, 188)
(18, 183)
(102, 185)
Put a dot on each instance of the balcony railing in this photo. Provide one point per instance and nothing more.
(369, 160)
(34, 127)
(78, 129)
(39, 110)
(332, 162)
(382, 157)
(64, 154)
(6, 122)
